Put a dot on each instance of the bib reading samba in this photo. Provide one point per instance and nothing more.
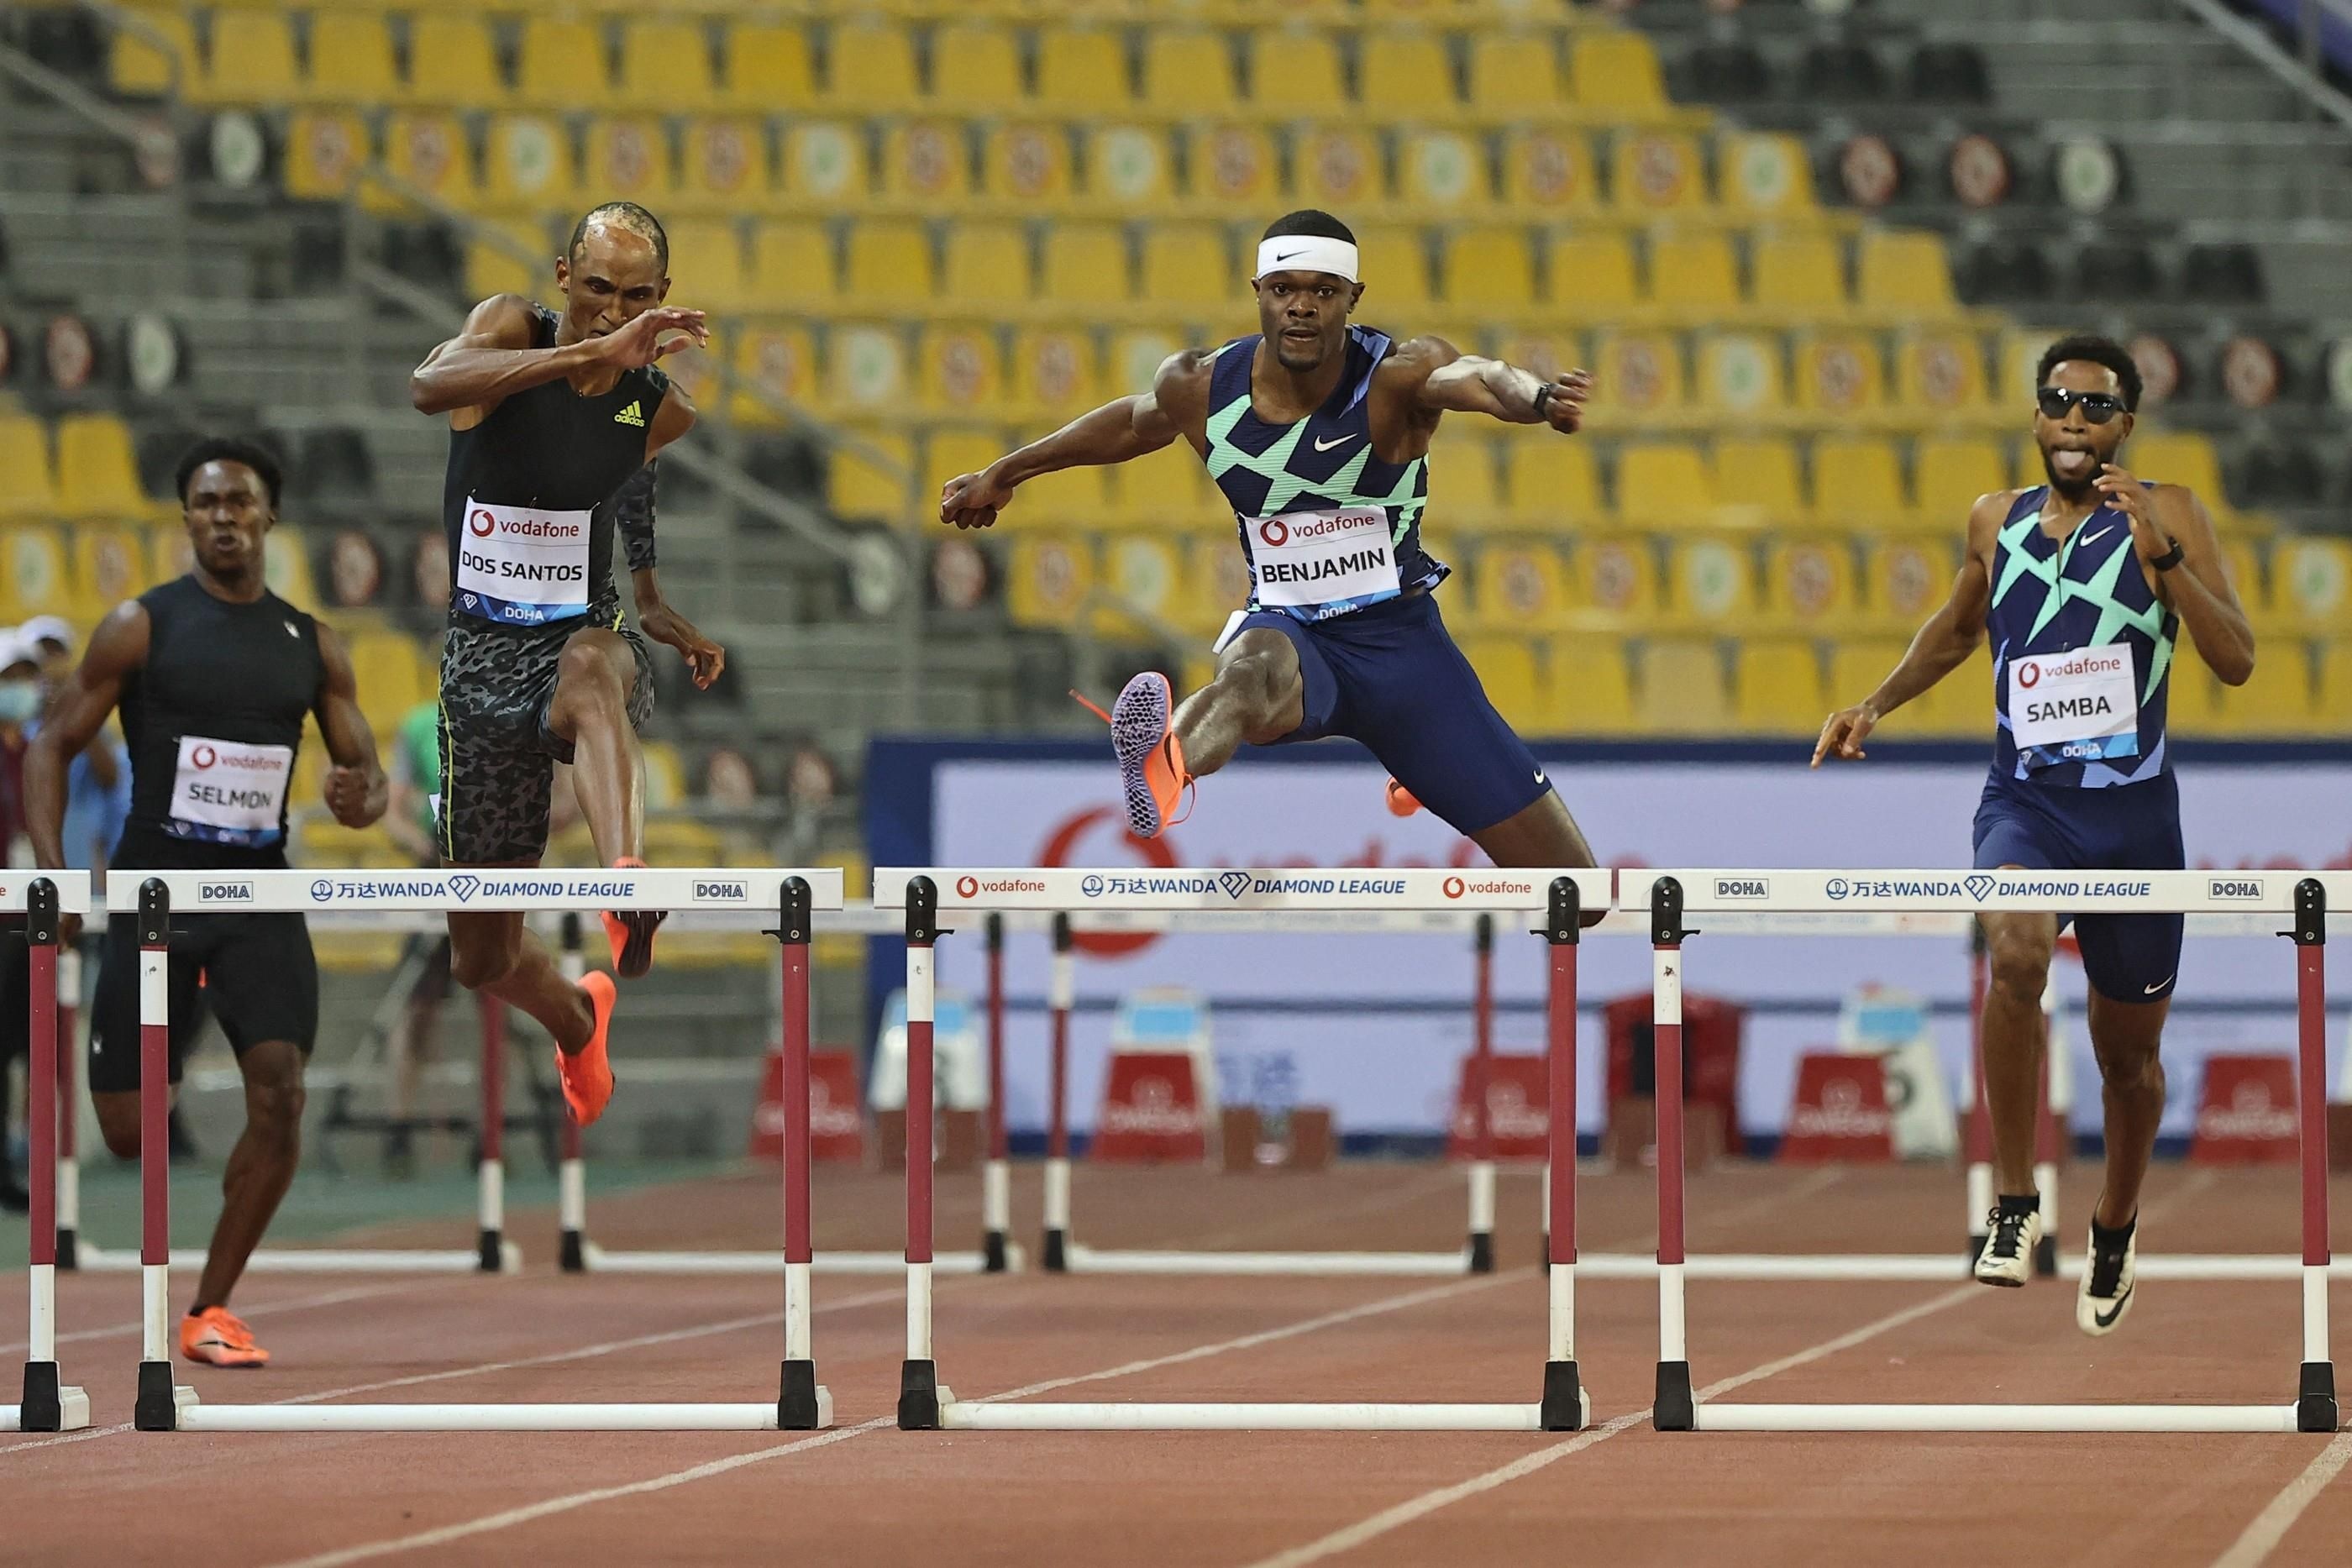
(1315, 565)
(521, 566)
(2077, 706)
(227, 792)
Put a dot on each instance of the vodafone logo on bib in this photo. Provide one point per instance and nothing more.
(202, 756)
(1275, 532)
(2029, 676)
(482, 522)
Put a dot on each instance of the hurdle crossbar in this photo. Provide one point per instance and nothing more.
(1553, 899)
(47, 1403)
(2298, 900)
(801, 1403)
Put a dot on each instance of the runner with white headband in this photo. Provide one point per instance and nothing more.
(1317, 430)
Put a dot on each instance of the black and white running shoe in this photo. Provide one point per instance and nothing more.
(2109, 1274)
(2010, 1235)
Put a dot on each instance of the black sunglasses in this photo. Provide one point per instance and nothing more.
(2097, 407)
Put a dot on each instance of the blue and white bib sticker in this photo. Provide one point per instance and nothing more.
(522, 566)
(227, 792)
(2075, 706)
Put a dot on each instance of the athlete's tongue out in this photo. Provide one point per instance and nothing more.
(2073, 463)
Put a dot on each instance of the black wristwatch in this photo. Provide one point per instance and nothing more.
(1543, 399)
(2169, 559)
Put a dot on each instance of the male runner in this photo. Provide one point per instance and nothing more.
(554, 422)
(214, 674)
(2083, 584)
(1317, 430)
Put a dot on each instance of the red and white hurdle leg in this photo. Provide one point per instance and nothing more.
(1064, 996)
(1481, 1247)
(572, 1165)
(46, 1404)
(919, 1393)
(996, 1172)
(801, 1404)
(1565, 1407)
(69, 1117)
(2314, 1404)
(159, 1401)
(490, 1166)
(1674, 1408)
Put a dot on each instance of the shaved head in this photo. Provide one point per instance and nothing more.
(626, 217)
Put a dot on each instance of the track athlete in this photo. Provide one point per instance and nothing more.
(2083, 584)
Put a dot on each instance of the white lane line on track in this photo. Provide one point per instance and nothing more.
(442, 1536)
(2270, 1527)
(1429, 1503)
(265, 1309)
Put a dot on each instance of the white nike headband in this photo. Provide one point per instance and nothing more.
(1307, 253)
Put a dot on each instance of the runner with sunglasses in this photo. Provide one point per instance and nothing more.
(2083, 585)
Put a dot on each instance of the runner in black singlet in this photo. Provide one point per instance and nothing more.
(554, 422)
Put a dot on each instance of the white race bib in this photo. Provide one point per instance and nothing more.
(2075, 707)
(228, 793)
(522, 566)
(1326, 561)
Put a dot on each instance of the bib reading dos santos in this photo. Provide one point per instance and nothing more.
(2082, 653)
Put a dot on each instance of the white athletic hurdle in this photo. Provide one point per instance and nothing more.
(2300, 901)
(801, 1403)
(48, 1404)
(1554, 898)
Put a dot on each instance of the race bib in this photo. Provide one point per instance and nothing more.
(1323, 563)
(521, 566)
(227, 792)
(2077, 706)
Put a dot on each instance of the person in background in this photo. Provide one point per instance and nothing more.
(20, 704)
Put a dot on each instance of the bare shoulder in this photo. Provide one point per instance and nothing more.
(119, 643)
(2177, 501)
(503, 320)
(1181, 381)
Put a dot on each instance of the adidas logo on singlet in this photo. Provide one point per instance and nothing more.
(630, 415)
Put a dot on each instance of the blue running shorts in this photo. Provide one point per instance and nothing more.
(2125, 827)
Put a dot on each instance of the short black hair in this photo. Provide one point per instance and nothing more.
(231, 449)
(626, 215)
(1311, 221)
(2092, 349)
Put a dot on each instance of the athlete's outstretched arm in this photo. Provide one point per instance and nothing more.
(1941, 646)
(356, 789)
(1120, 430)
(2198, 586)
(1468, 383)
(79, 712)
(492, 357)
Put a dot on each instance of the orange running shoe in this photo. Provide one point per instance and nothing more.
(1150, 758)
(630, 933)
(218, 1337)
(587, 1073)
(1400, 800)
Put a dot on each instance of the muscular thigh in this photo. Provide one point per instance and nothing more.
(1274, 663)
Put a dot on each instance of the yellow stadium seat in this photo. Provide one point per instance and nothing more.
(926, 161)
(36, 581)
(975, 66)
(1547, 171)
(1904, 271)
(1798, 274)
(1741, 373)
(1054, 371)
(1396, 266)
(1490, 268)
(97, 475)
(1293, 70)
(1615, 68)
(2278, 701)
(1187, 264)
(950, 453)
(1073, 498)
(1081, 68)
(989, 263)
(1514, 73)
(1591, 274)
(351, 60)
(1233, 165)
(1550, 482)
(452, 61)
(1136, 357)
(628, 160)
(529, 165)
(1682, 687)
(1211, 583)
(768, 67)
(726, 168)
(872, 66)
(1761, 473)
(1404, 74)
(1545, 351)
(1657, 171)
(2244, 569)
(385, 666)
(2311, 583)
(792, 263)
(287, 569)
(1048, 580)
(889, 261)
(1764, 174)
(2180, 457)
(2020, 358)
(1520, 584)
(1663, 482)
(866, 364)
(561, 64)
(777, 360)
(1855, 477)
(1907, 579)
(824, 160)
(1777, 687)
(1085, 264)
(2193, 700)
(1591, 687)
(1513, 681)
(1470, 473)
(1711, 580)
(666, 785)
(857, 485)
(1027, 163)
(1839, 372)
(252, 60)
(706, 265)
(111, 564)
(426, 147)
(1693, 272)
(1442, 169)
(1187, 69)
(1962, 703)
(1857, 666)
(1617, 575)
(1812, 581)
(27, 484)
(1951, 472)
(1941, 369)
(1128, 167)
(666, 65)
(1337, 167)
(960, 367)
(137, 68)
(2333, 709)
(507, 258)
(325, 151)
(1144, 572)
(1641, 370)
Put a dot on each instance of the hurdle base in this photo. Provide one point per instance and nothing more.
(1566, 1406)
(803, 1403)
(1482, 1252)
(1673, 1409)
(1106, 1415)
(920, 1396)
(572, 1255)
(1057, 1251)
(489, 1252)
(994, 1255)
(571, 1417)
(318, 1260)
(2045, 1257)
(1741, 1417)
(1416, 1265)
(159, 1402)
(48, 1404)
(2314, 1399)
(596, 1259)
(69, 1249)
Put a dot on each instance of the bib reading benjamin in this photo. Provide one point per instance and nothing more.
(1323, 562)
